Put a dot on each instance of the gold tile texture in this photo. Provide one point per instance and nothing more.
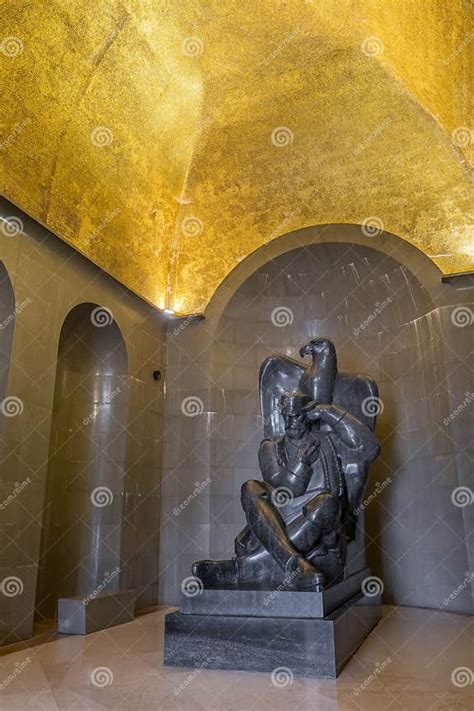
(167, 141)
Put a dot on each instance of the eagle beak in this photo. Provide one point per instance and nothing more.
(305, 350)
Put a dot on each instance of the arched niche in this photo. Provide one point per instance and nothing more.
(349, 235)
(81, 535)
(7, 324)
(380, 309)
(335, 281)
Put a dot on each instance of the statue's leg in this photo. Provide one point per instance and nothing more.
(269, 528)
(265, 521)
(321, 516)
(245, 542)
(317, 534)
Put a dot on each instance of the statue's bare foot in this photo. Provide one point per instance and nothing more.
(301, 575)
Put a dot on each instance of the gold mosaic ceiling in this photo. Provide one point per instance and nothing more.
(166, 140)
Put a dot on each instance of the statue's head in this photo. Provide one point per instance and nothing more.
(292, 406)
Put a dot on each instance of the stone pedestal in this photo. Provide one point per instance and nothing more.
(273, 603)
(306, 646)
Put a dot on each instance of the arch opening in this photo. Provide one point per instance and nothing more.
(82, 520)
(383, 304)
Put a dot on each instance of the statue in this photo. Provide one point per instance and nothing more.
(319, 441)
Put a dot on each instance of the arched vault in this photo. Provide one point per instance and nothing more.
(167, 141)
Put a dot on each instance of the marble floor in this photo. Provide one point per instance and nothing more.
(414, 660)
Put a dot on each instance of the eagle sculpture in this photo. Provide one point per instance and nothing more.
(356, 393)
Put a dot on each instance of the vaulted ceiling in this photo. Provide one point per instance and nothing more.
(168, 140)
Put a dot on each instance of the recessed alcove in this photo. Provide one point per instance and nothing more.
(82, 521)
(386, 320)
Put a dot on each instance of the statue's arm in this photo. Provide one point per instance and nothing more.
(352, 432)
(295, 475)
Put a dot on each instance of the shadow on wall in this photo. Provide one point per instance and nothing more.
(383, 322)
(82, 520)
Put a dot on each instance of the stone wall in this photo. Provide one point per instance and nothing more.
(48, 279)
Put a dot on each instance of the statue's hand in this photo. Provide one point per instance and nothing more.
(309, 453)
(329, 413)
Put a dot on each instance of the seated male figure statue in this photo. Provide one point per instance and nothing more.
(295, 534)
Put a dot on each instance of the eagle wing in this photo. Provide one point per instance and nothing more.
(358, 394)
(355, 392)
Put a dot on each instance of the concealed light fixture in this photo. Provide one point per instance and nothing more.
(171, 312)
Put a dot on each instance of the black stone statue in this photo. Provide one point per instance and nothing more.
(313, 461)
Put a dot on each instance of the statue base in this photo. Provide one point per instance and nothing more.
(311, 646)
(272, 603)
